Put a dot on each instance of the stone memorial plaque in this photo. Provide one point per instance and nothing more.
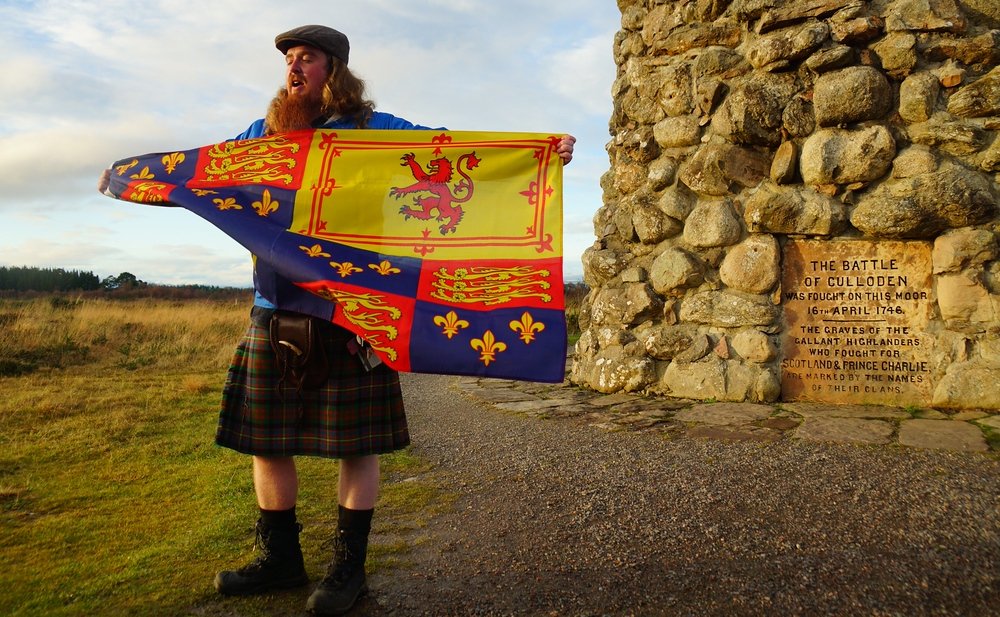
(856, 314)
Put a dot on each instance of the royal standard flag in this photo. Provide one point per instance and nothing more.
(442, 250)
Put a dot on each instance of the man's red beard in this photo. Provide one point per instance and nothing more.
(292, 113)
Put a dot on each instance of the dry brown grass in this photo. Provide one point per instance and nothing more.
(113, 498)
(44, 333)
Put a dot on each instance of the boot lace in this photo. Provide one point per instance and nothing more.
(263, 556)
(344, 564)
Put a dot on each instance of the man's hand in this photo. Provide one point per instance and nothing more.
(104, 181)
(565, 148)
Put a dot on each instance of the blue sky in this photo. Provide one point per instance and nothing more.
(84, 83)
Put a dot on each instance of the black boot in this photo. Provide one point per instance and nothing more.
(278, 566)
(345, 580)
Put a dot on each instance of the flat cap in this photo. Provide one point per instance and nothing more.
(328, 40)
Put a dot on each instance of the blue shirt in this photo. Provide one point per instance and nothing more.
(378, 121)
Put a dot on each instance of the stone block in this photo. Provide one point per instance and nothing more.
(728, 310)
(924, 206)
(674, 269)
(716, 166)
(980, 98)
(754, 346)
(897, 53)
(784, 167)
(677, 202)
(850, 95)
(963, 248)
(914, 161)
(961, 137)
(942, 435)
(982, 49)
(969, 385)
(662, 173)
(691, 36)
(799, 117)
(838, 156)
(626, 374)
(845, 430)
(678, 131)
(652, 226)
(712, 223)
(601, 265)
(918, 97)
(775, 209)
(831, 59)
(925, 16)
(666, 342)
(866, 412)
(963, 297)
(632, 304)
(723, 380)
(695, 380)
(752, 265)
(730, 414)
(788, 45)
(785, 14)
(752, 113)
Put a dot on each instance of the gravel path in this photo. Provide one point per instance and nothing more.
(555, 517)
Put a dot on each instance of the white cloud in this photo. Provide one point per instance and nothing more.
(87, 82)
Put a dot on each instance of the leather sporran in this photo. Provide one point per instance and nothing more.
(298, 350)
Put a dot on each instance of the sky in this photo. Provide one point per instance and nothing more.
(84, 83)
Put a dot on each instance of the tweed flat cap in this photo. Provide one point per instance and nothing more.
(328, 40)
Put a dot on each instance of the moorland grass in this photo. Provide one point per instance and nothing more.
(113, 498)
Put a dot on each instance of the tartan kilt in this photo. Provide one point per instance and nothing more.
(355, 413)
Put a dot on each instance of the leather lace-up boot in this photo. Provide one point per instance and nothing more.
(345, 579)
(278, 566)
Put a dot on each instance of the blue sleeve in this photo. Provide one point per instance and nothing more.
(253, 131)
(382, 120)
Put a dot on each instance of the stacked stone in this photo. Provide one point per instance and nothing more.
(740, 123)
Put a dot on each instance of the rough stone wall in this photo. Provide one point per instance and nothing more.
(739, 124)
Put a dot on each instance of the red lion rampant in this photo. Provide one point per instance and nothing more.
(435, 180)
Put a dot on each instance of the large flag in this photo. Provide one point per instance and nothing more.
(441, 250)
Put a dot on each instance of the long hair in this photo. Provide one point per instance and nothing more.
(344, 94)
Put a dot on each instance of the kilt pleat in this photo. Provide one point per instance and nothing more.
(355, 413)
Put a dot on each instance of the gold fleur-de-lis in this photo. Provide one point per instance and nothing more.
(266, 205)
(450, 323)
(121, 169)
(315, 251)
(143, 175)
(527, 327)
(229, 203)
(488, 347)
(345, 269)
(171, 161)
(384, 268)
(203, 192)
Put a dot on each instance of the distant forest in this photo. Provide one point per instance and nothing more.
(28, 280)
(47, 279)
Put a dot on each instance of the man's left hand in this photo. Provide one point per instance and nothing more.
(565, 148)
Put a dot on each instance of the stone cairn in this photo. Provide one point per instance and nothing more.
(740, 124)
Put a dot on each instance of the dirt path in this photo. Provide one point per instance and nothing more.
(555, 517)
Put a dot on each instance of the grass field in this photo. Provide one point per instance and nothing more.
(113, 498)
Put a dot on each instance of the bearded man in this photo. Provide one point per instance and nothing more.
(356, 412)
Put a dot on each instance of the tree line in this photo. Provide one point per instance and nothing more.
(21, 278)
(27, 281)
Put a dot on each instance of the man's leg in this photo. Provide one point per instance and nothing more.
(279, 564)
(345, 579)
(359, 479)
(275, 481)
